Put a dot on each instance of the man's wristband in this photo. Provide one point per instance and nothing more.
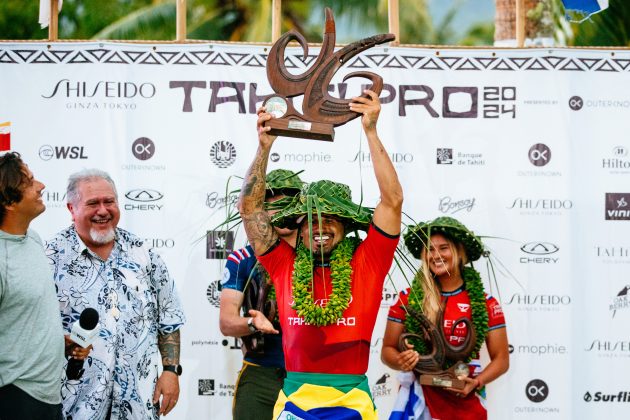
(251, 326)
(176, 369)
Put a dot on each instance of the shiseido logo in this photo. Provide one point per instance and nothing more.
(102, 89)
(223, 154)
(312, 157)
(620, 301)
(617, 206)
(144, 195)
(576, 103)
(143, 148)
(537, 390)
(214, 200)
(539, 303)
(366, 157)
(541, 206)
(146, 200)
(47, 152)
(606, 346)
(619, 397)
(159, 242)
(450, 206)
(539, 154)
(540, 253)
(219, 244)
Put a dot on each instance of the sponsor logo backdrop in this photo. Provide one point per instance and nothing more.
(511, 142)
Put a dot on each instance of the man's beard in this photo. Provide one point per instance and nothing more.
(102, 238)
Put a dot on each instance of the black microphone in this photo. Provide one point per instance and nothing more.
(83, 333)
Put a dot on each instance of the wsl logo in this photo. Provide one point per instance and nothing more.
(48, 152)
(617, 207)
(223, 154)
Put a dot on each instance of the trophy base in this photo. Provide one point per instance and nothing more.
(444, 381)
(301, 129)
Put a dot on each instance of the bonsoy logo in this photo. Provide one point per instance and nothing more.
(576, 103)
(223, 153)
(539, 154)
(617, 207)
(537, 390)
(143, 148)
(47, 152)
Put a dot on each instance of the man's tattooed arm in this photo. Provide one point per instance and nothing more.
(169, 348)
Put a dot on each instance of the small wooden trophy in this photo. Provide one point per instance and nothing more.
(430, 368)
(320, 111)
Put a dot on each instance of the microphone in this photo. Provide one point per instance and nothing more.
(83, 333)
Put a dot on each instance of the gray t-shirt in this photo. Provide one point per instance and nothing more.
(31, 336)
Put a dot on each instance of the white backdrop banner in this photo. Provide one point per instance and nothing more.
(527, 147)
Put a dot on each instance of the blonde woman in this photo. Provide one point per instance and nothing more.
(445, 289)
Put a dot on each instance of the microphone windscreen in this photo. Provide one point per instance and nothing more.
(88, 319)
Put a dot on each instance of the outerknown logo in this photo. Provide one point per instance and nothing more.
(144, 195)
(223, 153)
(537, 390)
(576, 103)
(617, 207)
(143, 148)
(539, 154)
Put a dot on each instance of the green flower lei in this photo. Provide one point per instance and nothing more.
(340, 273)
(474, 287)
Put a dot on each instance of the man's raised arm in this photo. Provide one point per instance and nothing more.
(251, 204)
(388, 212)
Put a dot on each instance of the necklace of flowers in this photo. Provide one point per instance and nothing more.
(474, 287)
(340, 273)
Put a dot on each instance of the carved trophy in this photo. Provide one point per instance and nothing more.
(431, 367)
(320, 111)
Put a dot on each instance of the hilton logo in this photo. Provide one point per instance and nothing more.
(223, 154)
(617, 206)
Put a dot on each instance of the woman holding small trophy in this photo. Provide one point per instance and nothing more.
(436, 329)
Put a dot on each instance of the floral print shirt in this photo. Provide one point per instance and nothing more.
(136, 300)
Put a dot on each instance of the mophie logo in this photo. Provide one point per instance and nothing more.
(312, 157)
(143, 148)
(537, 390)
(450, 205)
(539, 253)
(619, 397)
(223, 153)
(144, 200)
(617, 206)
(48, 152)
(538, 349)
(101, 89)
(539, 154)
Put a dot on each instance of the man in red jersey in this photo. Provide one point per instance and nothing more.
(329, 288)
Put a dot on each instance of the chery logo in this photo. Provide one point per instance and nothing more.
(540, 248)
(144, 195)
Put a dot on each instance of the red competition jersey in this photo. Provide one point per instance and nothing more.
(344, 346)
(457, 306)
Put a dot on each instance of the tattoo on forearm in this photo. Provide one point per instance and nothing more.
(260, 232)
(169, 348)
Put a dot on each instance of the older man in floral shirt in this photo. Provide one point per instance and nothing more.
(98, 265)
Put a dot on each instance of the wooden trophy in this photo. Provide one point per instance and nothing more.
(320, 111)
(430, 368)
